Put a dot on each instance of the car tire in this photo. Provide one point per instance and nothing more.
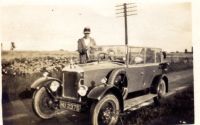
(161, 90)
(105, 111)
(41, 100)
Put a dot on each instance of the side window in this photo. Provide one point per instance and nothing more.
(150, 55)
(136, 55)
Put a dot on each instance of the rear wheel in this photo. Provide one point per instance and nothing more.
(105, 111)
(43, 104)
(160, 90)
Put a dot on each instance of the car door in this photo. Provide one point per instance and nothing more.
(135, 70)
(151, 66)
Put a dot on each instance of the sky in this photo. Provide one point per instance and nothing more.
(59, 25)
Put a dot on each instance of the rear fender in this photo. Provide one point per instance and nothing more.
(158, 78)
(98, 93)
(42, 81)
(165, 78)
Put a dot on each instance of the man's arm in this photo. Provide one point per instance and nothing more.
(81, 49)
(93, 43)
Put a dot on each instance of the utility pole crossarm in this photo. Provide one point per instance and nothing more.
(125, 10)
(119, 6)
(131, 14)
(119, 9)
(119, 12)
(130, 11)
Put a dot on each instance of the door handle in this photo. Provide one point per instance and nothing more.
(142, 73)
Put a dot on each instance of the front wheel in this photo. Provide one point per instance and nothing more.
(105, 111)
(43, 104)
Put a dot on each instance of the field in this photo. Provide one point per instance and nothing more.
(29, 62)
(176, 109)
(21, 68)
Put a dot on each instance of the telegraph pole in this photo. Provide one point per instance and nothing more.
(125, 10)
(125, 23)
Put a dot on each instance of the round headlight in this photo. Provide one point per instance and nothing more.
(54, 85)
(82, 90)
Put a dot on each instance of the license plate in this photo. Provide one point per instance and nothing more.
(70, 106)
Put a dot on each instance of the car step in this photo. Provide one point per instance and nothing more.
(137, 101)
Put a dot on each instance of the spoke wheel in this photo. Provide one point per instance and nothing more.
(106, 111)
(43, 104)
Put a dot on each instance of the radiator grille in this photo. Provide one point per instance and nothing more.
(70, 86)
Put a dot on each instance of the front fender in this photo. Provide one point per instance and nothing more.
(43, 81)
(98, 93)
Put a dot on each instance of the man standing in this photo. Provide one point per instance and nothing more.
(86, 46)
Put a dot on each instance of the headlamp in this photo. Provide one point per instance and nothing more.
(82, 90)
(54, 85)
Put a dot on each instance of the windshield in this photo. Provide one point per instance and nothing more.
(109, 53)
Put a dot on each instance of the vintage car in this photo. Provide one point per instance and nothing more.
(105, 86)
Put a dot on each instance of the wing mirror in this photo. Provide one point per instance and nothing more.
(138, 60)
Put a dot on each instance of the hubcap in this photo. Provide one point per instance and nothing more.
(161, 88)
(107, 113)
(46, 104)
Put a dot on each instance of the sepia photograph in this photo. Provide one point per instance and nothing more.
(97, 62)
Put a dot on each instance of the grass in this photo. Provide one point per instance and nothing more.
(24, 67)
(178, 109)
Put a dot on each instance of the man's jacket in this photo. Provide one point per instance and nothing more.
(85, 51)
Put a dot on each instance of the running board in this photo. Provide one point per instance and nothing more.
(137, 101)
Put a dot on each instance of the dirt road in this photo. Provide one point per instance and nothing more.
(20, 112)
